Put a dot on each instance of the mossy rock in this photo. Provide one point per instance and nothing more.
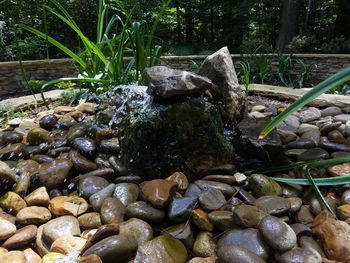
(185, 136)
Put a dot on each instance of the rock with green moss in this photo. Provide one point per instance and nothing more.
(185, 135)
(262, 185)
(162, 249)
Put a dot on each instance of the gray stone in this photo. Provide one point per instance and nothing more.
(219, 68)
(180, 209)
(145, 212)
(305, 127)
(97, 198)
(286, 136)
(273, 205)
(237, 254)
(292, 121)
(138, 229)
(61, 226)
(211, 199)
(298, 255)
(164, 82)
(112, 211)
(331, 111)
(310, 114)
(342, 118)
(204, 246)
(301, 144)
(313, 135)
(277, 234)
(91, 185)
(313, 154)
(249, 239)
(127, 193)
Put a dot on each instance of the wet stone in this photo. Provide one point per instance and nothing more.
(249, 239)
(310, 114)
(180, 209)
(301, 255)
(85, 146)
(10, 138)
(334, 147)
(327, 128)
(39, 135)
(91, 185)
(138, 229)
(12, 201)
(112, 211)
(48, 122)
(182, 232)
(90, 220)
(308, 242)
(229, 253)
(144, 211)
(204, 245)
(277, 234)
(81, 163)
(313, 154)
(211, 199)
(33, 215)
(262, 185)
(200, 219)
(68, 205)
(127, 193)
(180, 179)
(7, 229)
(222, 220)
(301, 144)
(158, 192)
(22, 237)
(248, 215)
(273, 205)
(97, 198)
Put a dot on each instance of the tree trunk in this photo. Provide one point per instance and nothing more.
(178, 23)
(310, 17)
(342, 23)
(189, 22)
(289, 23)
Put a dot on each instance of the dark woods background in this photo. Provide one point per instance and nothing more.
(192, 27)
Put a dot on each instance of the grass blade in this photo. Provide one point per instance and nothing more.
(318, 192)
(327, 181)
(331, 82)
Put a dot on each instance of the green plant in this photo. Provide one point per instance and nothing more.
(244, 75)
(196, 66)
(63, 85)
(331, 82)
(284, 67)
(263, 67)
(305, 74)
(101, 63)
(34, 86)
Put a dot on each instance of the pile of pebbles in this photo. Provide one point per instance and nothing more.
(67, 198)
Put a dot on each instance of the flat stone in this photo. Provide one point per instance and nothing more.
(334, 147)
(301, 144)
(33, 215)
(22, 237)
(68, 205)
(313, 154)
(336, 136)
(162, 249)
(61, 226)
(67, 244)
(211, 199)
(277, 234)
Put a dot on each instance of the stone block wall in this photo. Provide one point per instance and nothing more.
(12, 82)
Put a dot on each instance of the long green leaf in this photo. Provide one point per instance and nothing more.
(331, 82)
(66, 50)
(327, 181)
(318, 192)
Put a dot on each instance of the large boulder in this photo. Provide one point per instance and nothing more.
(219, 68)
(164, 82)
(185, 135)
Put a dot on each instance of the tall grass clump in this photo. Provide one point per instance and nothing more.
(101, 61)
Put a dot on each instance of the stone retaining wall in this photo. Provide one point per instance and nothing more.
(12, 83)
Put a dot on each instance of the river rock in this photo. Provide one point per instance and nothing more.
(112, 211)
(273, 205)
(158, 192)
(32, 256)
(277, 234)
(219, 68)
(301, 255)
(182, 232)
(144, 211)
(120, 247)
(342, 118)
(248, 215)
(180, 209)
(222, 220)
(13, 257)
(200, 219)
(52, 175)
(68, 205)
(310, 114)
(85, 146)
(138, 229)
(7, 229)
(230, 253)
(211, 199)
(22, 237)
(97, 198)
(313, 154)
(39, 135)
(339, 169)
(67, 244)
(7, 173)
(262, 185)
(180, 179)
(10, 138)
(39, 197)
(204, 245)
(127, 193)
(48, 122)
(331, 111)
(90, 220)
(248, 238)
(161, 249)
(12, 201)
(61, 226)
(81, 163)
(173, 133)
(164, 82)
(90, 185)
(87, 107)
(110, 146)
(33, 215)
